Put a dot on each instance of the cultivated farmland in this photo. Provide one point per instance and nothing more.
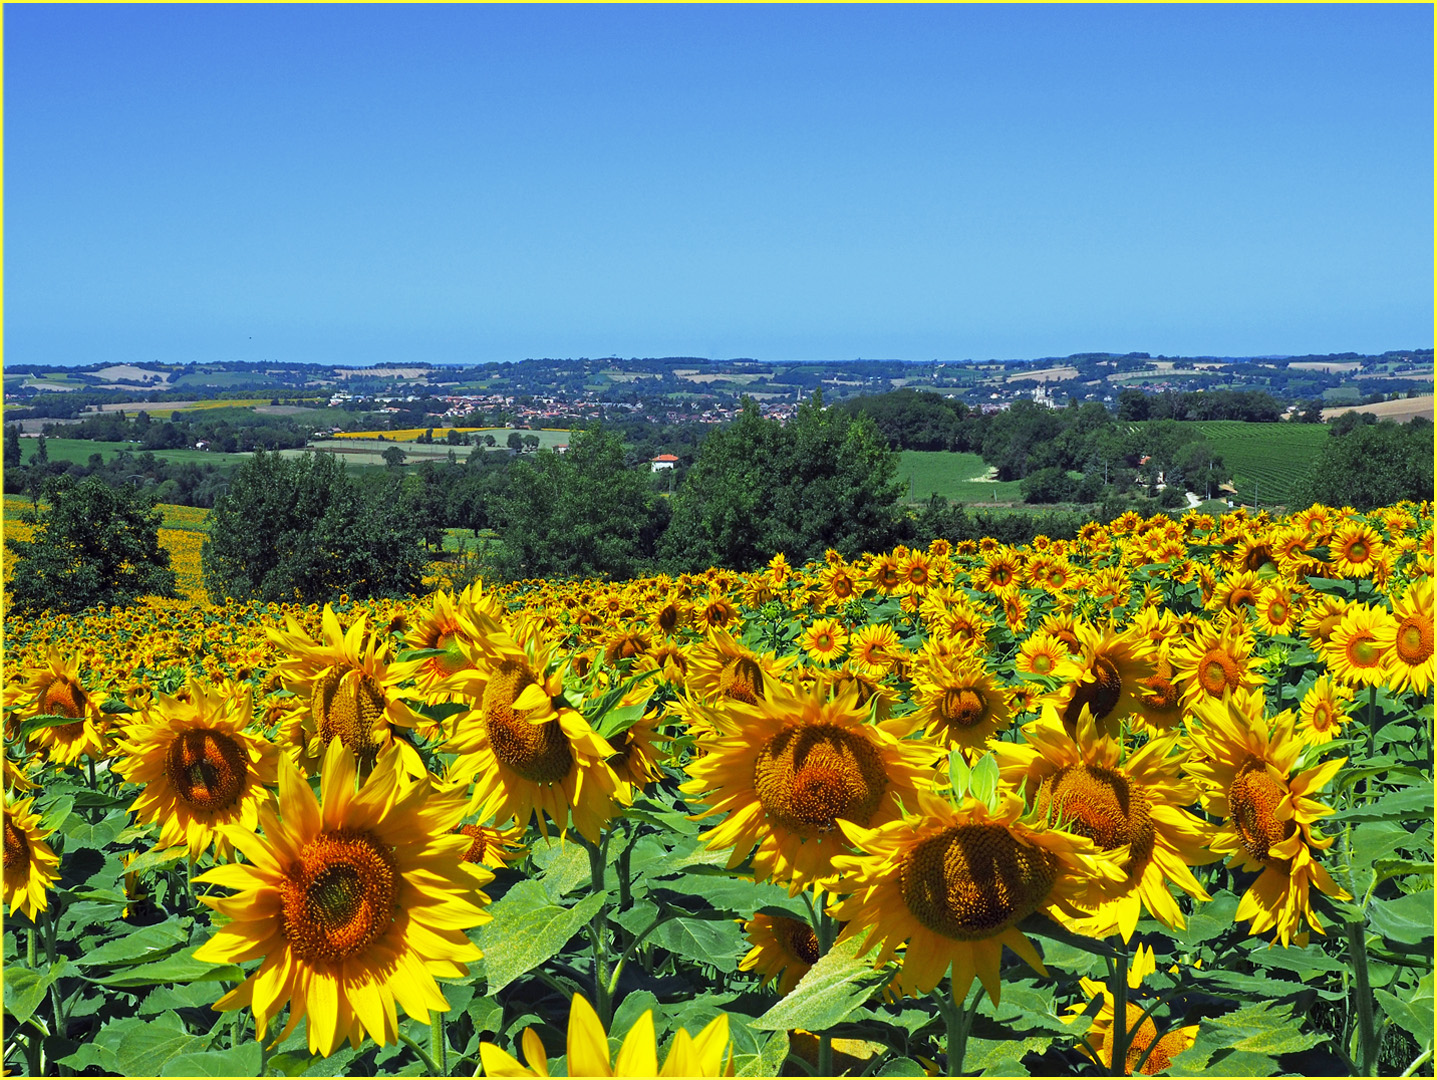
(1267, 460)
(956, 476)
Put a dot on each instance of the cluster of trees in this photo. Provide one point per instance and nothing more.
(1253, 406)
(1368, 463)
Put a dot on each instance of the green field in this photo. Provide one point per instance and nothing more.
(367, 453)
(1270, 458)
(79, 450)
(951, 475)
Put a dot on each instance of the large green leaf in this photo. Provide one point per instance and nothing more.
(138, 947)
(832, 989)
(1406, 919)
(522, 936)
(1413, 1013)
(769, 1060)
(719, 943)
(155, 857)
(172, 970)
(243, 1060)
(565, 865)
(79, 833)
(1003, 1057)
(25, 988)
(1406, 804)
(137, 1047)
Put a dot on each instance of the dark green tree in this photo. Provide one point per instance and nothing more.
(92, 544)
(578, 513)
(301, 529)
(758, 487)
(393, 457)
(1373, 465)
(41, 455)
(12, 445)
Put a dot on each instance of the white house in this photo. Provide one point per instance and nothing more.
(663, 461)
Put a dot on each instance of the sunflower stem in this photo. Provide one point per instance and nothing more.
(1425, 1057)
(1118, 991)
(602, 1000)
(438, 1044)
(1367, 1040)
(31, 944)
(90, 765)
(957, 1022)
(1371, 735)
(434, 1069)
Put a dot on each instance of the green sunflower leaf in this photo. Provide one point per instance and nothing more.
(833, 988)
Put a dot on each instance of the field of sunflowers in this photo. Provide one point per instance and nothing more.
(941, 811)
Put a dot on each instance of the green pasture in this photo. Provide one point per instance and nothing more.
(951, 474)
(1272, 457)
(79, 451)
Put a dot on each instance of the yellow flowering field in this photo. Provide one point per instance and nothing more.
(946, 810)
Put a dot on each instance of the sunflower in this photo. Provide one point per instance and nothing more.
(999, 570)
(1140, 1036)
(840, 584)
(1361, 646)
(355, 901)
(1410, 638)
(707, 1054)
(449, 619)
(636, 753)
(916, 571)
(874, 648)
(783, 949)
(1040, 654)
(959, 704)
(527, 749)
(788, 769)
(492, 847)
(1118, 799)
(346, 688)
(1105, 678)
(1356, 550)
(55, 690)
(715, 613)
(199, 767)
(824, 641)
(669, 616)
(722, 668)
(1323, 711)
(1276, 608)
(31, 867)
(1234, 593)
(954, 882)
(1214, 661)
(883, 574)
(1246, 779)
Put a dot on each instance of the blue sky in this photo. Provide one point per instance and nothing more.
(460, 184)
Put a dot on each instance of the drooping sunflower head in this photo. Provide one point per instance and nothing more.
(884, 575)
(953, 882)
(783, 949)
(1140, 1036)
(960, 704)
(1106, 678)
(722, 668)
(1246, 776)
(492, 847)
(345, 688)
(795, 765)
(199, 765)
(450, 620)
(1235, 594)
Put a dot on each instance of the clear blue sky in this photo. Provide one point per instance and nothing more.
(458, 184)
